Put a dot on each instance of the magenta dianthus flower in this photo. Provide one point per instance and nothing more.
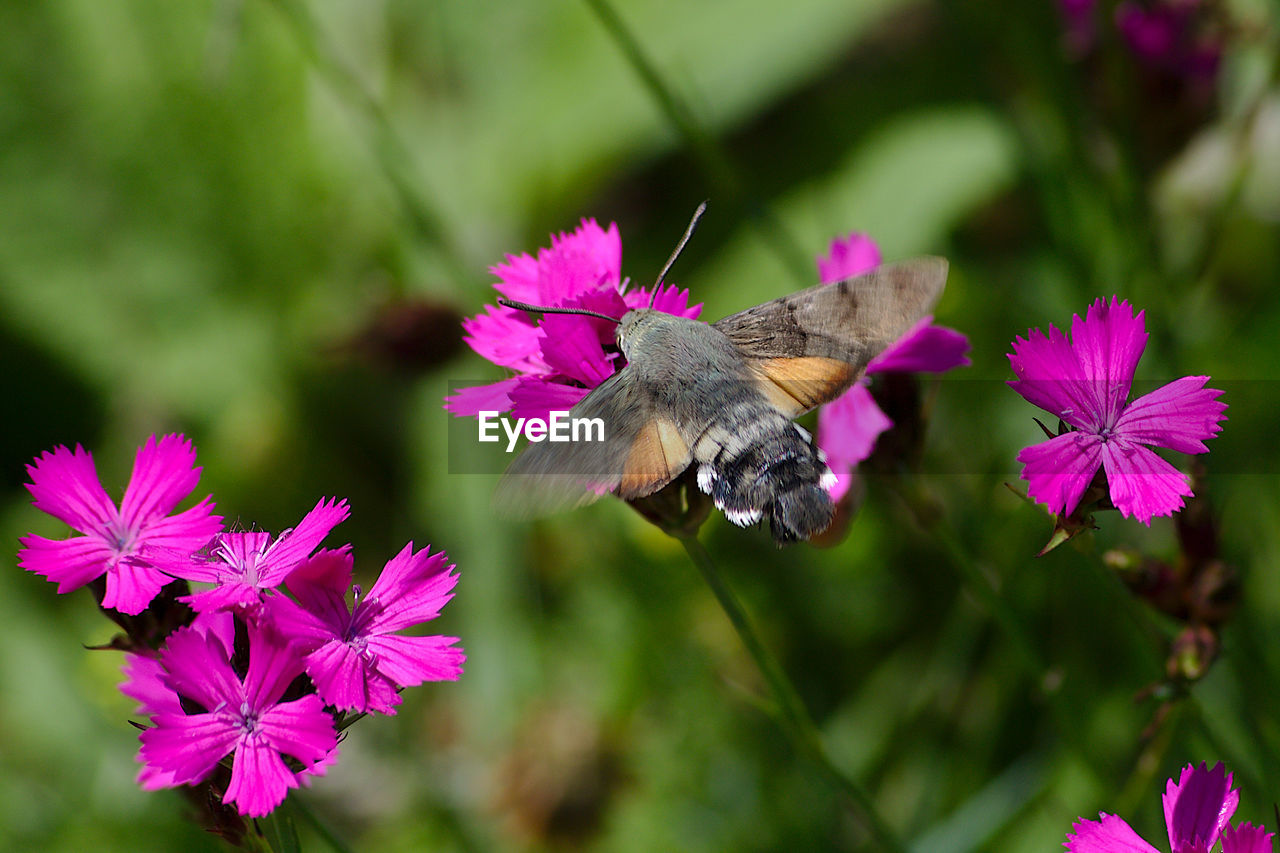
(355, 658)
(1196, 810)
(559, 358)
(123, 543)
(849, 425)
(1170, 35)
(246, 565)
(1085, 381)
(243, 718)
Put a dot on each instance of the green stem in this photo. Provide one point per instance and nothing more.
(791, 711)
(307, 815)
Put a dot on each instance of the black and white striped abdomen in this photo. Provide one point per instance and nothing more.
(756, 463)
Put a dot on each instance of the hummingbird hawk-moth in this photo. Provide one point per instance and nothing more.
(723, 395)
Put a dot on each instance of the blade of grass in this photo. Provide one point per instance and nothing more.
(790, 711)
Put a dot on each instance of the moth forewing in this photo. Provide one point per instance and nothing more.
(548, 476)
(845, 320)
(809, 347)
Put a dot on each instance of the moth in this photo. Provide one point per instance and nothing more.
(722, 396)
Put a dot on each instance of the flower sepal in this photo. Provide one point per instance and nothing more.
(1067, 526)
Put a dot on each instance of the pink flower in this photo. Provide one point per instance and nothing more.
(121, 543)
(145, 682)
(1170, 35)
(1196, 810)
(849, 425)
(1085, 382)
(244, 718)
(847, 257)
(247, 565)
(355, 658)
(560, 357)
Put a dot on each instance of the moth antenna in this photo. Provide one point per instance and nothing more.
(524, 306)
(688, 232)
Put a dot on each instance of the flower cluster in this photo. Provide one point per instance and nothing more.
(250, 673)
(1085, 381)
(561, 357)
(1197, 809)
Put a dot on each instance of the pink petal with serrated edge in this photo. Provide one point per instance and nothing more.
(670, 300)
(339, 674)
(259, 779)
(847, 431)
(64, 483)
(272, 665)
(1058, 471)
(70, 563)
(151, 778)
(563, 276)
(411, 589)
(506, 337)
(164, 473)
(1246, 838)
(131, 588)
(1108, 834)
(924, 349)
(320, 584)
(300, 728)
(409, 661)
(847, 257)
(198, 666)
(226, 596)
(1198, 806)
(469, 402)
(294, 546)
(1108, 343)
(1180, 415)
(518, 278)
(185, 532)
(1050, 376)
(590, 255)
(382, 694)
(1142, 484)
(572, 349)
(144, 683)
(535, 398)
(187, 746)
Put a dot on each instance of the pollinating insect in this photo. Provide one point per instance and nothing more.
(722, 396)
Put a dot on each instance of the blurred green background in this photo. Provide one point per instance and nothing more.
(228, 217)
